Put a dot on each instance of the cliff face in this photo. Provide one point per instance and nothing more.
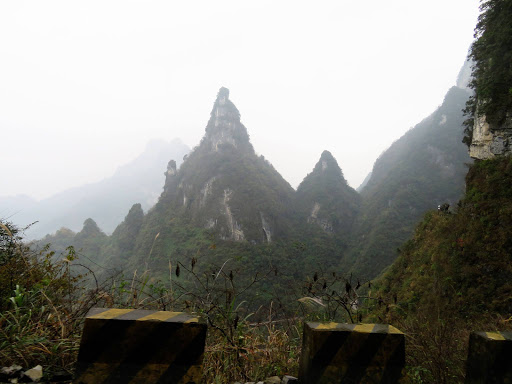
(489, 140)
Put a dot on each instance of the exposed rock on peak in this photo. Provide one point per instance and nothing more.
(223, 95)
(224, 126)
(171, 171)
(171, 168)
(326, 155)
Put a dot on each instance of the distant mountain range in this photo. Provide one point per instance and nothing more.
(108, 200)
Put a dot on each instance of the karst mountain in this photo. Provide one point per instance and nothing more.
(226, 202)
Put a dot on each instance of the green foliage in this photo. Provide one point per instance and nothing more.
(40, 319)
(455, 275)
(240, 346)
(492, 72)
(39, 324)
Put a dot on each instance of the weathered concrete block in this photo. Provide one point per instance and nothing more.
(138, 346)
(351, 353)
(489, 358)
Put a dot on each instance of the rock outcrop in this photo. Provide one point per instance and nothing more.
(224, 127)
(489, 141)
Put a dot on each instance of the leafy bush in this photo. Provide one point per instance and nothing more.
(40, 317)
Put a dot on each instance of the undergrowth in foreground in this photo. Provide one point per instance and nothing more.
(44, 298)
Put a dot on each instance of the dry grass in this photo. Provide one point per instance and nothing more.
(261, 351)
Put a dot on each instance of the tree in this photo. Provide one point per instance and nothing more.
(491, 53)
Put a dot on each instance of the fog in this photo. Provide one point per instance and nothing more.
(85, 85)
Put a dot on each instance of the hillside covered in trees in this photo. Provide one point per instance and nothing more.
(455, 274)
(420, 171)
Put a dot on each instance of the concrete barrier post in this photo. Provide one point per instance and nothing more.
(138, 346)
(351, 353)
(489, 358)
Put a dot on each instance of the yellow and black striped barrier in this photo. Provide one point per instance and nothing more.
(351, 353)
(138, 346)
(489, 358)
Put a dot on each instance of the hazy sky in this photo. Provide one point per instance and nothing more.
(84, 85)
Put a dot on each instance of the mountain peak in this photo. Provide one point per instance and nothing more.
(324, 197)
(223, 94)
(327, 156)
(328, 164)
(224, 127)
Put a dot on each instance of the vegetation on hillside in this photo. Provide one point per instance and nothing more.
(423, 169)
(325, 199)
(39, 314)
(227, 202)
(492, 72)
(455, 275)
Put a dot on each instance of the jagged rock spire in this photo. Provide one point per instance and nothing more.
(224, 126)
(223, 94)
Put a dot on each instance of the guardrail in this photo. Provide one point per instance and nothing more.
(138, 346)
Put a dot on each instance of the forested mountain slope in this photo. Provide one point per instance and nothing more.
(325, 199)
(455, 275)
(421, 170)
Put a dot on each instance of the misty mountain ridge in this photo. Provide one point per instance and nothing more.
(139, 181)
